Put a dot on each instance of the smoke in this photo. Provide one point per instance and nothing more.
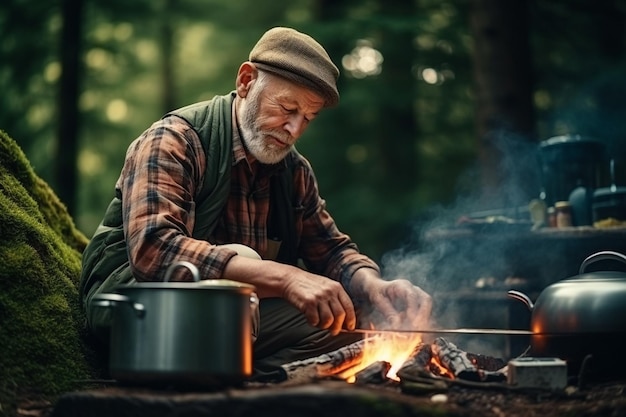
(462, 267)
(437, 233)
(458, 258)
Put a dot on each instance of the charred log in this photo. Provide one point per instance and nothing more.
(328, 364)
(418, 363)
(417, 375)
(460, 364)
(375, 373)
(488, 363)
(454, 359)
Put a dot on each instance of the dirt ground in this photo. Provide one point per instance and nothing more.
(607, 399)
(602, 399)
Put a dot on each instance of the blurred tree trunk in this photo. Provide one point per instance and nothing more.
(503, 83)
(611, 44)
(392, 124)
(67, 150)
(167, 56)
(397, 127)
(330, 14)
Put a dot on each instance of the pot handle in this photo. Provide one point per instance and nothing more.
(109, 300)
(191, 267)
(518, 295)
(601, 256)
(254, 302)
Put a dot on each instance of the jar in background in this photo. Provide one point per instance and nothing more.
(563, 211)
(551, 213)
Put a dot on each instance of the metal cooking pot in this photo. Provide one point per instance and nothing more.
(570, 161)
(181, 333)
(609, 202)
(582, 317)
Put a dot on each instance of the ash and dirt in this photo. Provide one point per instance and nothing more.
(601, 399)
(338, 398)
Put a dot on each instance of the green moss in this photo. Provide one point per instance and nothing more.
(47, 206)
(41, 325)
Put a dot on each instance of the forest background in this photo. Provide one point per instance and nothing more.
(442, 105)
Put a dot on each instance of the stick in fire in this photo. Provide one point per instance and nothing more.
(328, 364)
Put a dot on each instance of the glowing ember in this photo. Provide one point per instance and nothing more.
(392, 348)
(440, 369)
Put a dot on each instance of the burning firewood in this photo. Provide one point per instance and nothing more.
(375, 373)
(453, 359)
(440, 360)
(423, 363)
(460, 364)
(418, 362)
(418, 375)
(444, 361)
(328, 364)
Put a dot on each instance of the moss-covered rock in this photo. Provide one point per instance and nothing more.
(42, 348)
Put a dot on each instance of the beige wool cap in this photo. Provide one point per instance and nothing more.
(297, 57)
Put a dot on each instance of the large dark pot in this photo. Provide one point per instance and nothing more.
(582, 319)
(181, 333)
(571, 161)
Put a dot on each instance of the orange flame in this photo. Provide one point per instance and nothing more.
(392, 348)
(441, 370)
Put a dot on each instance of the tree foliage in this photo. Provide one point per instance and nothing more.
(402, 140)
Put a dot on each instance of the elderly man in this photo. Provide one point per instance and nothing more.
(220, 184)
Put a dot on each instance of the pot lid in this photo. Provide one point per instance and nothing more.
(604, 280)
(609, 191)
(571, 139)
(214, 284)
(209, 284)
(223, 283)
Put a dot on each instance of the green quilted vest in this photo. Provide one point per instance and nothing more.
(105, 262)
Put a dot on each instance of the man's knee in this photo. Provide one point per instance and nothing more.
(243, 250)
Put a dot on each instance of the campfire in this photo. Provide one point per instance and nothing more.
(399, 358)
(388, 352)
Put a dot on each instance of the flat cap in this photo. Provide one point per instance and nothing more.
(297, 57)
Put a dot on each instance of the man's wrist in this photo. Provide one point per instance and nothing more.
(358, 286)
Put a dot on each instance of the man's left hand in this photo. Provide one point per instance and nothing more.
(397, 304)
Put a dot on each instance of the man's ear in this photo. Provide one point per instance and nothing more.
(245, 77)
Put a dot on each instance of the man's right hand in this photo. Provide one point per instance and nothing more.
(323, 301)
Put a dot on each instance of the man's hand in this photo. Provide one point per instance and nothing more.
(401, 304)
(396, 304)
(324, 302)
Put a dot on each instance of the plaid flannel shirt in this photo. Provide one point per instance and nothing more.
(162, 173)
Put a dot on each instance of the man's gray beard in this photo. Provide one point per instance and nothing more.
(254, 139)
(254, 142)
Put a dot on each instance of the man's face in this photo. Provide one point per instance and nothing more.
(274, 115)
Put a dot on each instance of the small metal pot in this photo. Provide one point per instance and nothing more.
(609, 203)
(181, 333)
(582, 317)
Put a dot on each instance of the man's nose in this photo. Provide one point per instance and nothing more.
(295, 125)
